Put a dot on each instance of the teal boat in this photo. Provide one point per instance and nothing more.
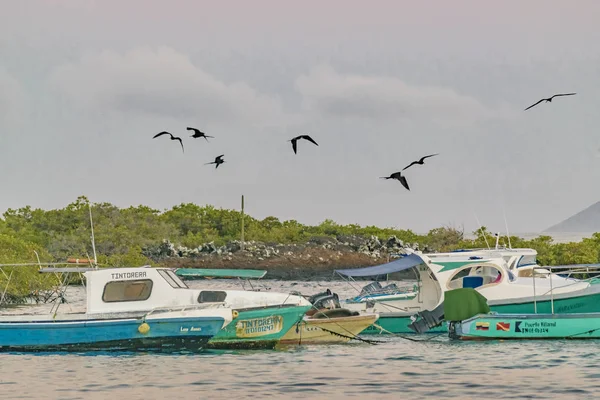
(260, 319)
(527, 326)
(469, 318)
(495, 274)
(258, 328)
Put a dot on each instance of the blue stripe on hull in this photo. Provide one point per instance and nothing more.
(102, 334)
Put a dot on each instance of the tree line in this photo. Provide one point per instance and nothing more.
(121, 235)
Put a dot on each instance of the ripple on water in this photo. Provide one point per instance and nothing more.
(436, 368)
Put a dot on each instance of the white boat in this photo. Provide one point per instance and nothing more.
(260, 319)
(496, 274)
(127, 309)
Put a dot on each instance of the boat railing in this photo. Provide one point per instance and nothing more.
(562, 269)
(185, 307)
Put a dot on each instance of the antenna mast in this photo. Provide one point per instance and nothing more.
(93, 240)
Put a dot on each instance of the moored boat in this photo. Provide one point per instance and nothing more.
(488, 272)
(127, 309)
(328, 323)
(527, 326)
(469, 318)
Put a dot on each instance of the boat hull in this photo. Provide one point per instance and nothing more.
(328, 330)
(527, 326)
(587, 303)
(116, 334)
(258, 328)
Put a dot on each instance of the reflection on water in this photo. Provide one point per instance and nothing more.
(396, 368)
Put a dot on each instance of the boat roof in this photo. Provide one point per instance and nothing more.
(191, 273)
(400, 264)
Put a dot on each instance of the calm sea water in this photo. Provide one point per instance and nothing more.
(396, 368)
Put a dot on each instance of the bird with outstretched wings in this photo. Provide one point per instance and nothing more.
(172, 138)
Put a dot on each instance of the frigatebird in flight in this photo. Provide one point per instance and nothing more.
(172, 138)
(198, 134)
(218, 160)
(421, 161)
(295, 141)
(549, 99)
(399, 177)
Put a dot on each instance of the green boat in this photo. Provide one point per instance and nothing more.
(527, 326)
(505, 277)
(260, 319)
(469, 318)
(258, 328)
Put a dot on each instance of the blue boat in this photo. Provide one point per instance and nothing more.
(128, 309)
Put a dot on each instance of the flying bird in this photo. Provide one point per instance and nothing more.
(421, 161)
(172, 138)
(218, 160)
(399, 177)
(295, 141)
(549, 99)
(198, 134)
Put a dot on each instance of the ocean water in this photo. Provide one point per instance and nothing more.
(432, 367)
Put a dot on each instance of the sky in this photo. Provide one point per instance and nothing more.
(84, 85)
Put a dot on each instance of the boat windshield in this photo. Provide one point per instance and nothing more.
(173, 279)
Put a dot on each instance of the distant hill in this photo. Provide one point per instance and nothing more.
(587, 220)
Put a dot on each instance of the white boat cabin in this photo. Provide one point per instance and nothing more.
(144, 288)
(489, 273)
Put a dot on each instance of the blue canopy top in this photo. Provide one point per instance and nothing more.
(400, 264)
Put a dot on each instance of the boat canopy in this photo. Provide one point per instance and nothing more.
(195, 273)
(398, 265)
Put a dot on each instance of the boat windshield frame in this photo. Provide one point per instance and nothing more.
(172, 279)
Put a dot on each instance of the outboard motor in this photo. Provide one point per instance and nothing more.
(373, 287)
(325, 300)
(428, 319)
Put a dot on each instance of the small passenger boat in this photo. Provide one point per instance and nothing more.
(127, 309)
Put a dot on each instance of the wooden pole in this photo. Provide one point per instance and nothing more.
(242, 246)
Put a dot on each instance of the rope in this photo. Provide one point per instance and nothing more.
(583, 333)
(374, 342)
(382, 329)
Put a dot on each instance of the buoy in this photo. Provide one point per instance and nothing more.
(144, 328)
(235, 314)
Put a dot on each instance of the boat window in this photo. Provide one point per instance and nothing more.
(212, 296)
(173, 279)
(461, 274)
(134, 290)
(475, 276)
(527, 260)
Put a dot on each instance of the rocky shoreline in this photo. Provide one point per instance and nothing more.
(315, 259)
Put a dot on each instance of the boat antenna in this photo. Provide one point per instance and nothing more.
(482, 232)
(507, 234)
(92, 227)
(497, 239)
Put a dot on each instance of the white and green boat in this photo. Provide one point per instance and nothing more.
(469, 318)
(503, 276)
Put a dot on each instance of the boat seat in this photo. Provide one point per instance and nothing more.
(472, 281)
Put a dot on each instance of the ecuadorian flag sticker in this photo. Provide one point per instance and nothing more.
(482, 326)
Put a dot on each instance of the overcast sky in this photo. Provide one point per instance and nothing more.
(84, 85)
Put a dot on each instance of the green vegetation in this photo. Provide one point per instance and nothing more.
(121, 235)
